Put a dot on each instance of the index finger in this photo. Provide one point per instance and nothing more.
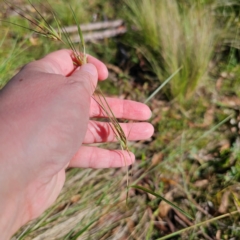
(61, 62)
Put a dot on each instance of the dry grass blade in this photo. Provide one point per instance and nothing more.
(44, 29)
(163, 199)
(115, 126)
(53, 33)
(83, 60)
(80, 58)
(117, 129)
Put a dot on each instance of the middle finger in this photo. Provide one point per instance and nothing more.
(125, 109)
(98, 132)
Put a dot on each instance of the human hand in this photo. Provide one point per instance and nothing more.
(44, 120)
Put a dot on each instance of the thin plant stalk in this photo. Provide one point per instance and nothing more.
(162, 85)
(114, 124)
(84, 60)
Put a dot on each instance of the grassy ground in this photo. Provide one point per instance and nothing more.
(193, 159)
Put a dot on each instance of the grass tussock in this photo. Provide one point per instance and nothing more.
(173, 34)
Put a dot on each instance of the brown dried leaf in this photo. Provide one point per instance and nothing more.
(232, 101)
(75, 198)
(208, 117)
(34, 40)
(163, 207)
(219, 83)
(156, 159)
(218, 235)
(224, 203)
(61, 207)
(130, 224)
(168, 181)
(201, 183)
(151, 197)
(225, 145)
(207, 121)
(114, 68)
(156, 119)
(224, 74)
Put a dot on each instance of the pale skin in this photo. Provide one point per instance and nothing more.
(45, 113)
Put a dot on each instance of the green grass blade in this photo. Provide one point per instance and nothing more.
(214, 128)
(46, 30)
(79, 233)
(79, 33)
(62, 29)
(38, 12)
(18, 25)
(27, 18)
(197, 225)
(163, 199)
(162, 85)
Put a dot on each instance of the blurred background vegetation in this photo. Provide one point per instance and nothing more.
(193, 159)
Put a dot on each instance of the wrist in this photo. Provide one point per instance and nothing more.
(12, 214)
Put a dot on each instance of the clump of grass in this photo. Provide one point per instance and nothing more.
(172, 34)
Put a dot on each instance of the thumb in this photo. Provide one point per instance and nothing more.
(87, 74)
